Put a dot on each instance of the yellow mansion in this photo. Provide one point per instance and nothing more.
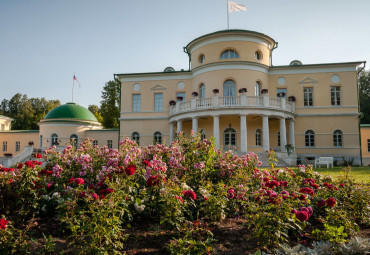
(232, 93)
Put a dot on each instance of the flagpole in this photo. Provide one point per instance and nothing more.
(227, 9)
(73, 85)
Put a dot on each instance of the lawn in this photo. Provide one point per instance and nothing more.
(361, 174)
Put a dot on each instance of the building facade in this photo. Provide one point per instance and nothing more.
(233, 93)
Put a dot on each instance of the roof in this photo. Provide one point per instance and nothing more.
(365, 125)
(70, 111)
(232, 31)
(6, 117)
(321, 64)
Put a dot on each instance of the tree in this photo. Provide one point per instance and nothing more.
(26, 112)
(364, 96)
(96, 111)
(109, 107)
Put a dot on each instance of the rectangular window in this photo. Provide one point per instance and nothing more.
(281, 93)
(17, 146)
(308, 96)
(5, 146)
(95, 142)
(110, 144)
(335, 95)
(158, 102)
(368, 145)
(136, 102)
(180, 95)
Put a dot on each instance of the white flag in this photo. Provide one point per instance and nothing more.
(235, 7)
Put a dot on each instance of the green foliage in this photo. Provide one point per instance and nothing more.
(197, 241)
(26, 112)
(364, 96)
(109, 106)
(15, 241)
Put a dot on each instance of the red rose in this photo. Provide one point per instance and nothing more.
(152, 180)
(130, 170)
(94, 196)
(341, 185)
(308, 191)
(331, 202)
(3, 223)
(231, 193)
(302, 197)
(72, 180)
(321, 203)
(82, 194)
(79, 181)
(191, 194)
(180, 199)
(302, 216)
(38, 155)
(30, 164)
(20, 165)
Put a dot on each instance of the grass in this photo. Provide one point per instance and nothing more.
(360, 174)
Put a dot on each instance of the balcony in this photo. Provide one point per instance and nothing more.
(232, 102)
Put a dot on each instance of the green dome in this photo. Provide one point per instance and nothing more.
(71, 111)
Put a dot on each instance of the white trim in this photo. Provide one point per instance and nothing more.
(341, 148)
(70, 125)
(145, 118)
(158, 87)
(326, 114)
(144, 112)
(233, 38)
(327, 107)
(330, 133)
(228, 66)
(158, 77)
(303, 69)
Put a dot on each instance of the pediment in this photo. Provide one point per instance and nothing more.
(308, 80)
(158, 87)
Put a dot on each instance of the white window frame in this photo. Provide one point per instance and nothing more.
(335, 97)
(158, 102)
(110, 144)
(308, 96)
(136, 102)
(17, 146)
(5, 146)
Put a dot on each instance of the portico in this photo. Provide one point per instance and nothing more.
(264, 108)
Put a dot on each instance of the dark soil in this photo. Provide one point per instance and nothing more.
(145, 238)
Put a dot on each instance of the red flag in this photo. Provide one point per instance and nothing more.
(75, 79)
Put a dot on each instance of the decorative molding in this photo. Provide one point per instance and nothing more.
(307, 70)
(145, 118)
(158, 87)
(308, 80)
(229, 65)
(320, 148)
(326, 114)
(327, 107)
(156, 77)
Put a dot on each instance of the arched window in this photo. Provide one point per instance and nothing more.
(202, 134)
(229, 138)
(229, 92)
(157, 138)
(338, 138)
(54, 139)
(257, 89)
(278, 138)
(228, 54)
(258, 137)
(73, 140)
(136, 137)
(309, 137)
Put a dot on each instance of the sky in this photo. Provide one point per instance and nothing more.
(43, 42)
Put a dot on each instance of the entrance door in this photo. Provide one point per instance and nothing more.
(229, 138)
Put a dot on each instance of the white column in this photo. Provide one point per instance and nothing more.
(216, 130)
(243, 134)
(179, 126)
(265, 133)
(291, 133)
(195, 126)
(172, 128)
(282, 135)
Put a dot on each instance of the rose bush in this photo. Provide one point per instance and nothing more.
(96, 193)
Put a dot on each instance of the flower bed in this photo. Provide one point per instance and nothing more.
(96, 194)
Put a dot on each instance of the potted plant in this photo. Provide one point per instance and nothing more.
(30, 143)
(8, 155)
(180, 98)
(264, 91)
(194, 94)
(281, 94)
(242, 90)
(215, 91)
(172, 102)
(291, 99)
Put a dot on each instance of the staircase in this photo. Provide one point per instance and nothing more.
(262, 156)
